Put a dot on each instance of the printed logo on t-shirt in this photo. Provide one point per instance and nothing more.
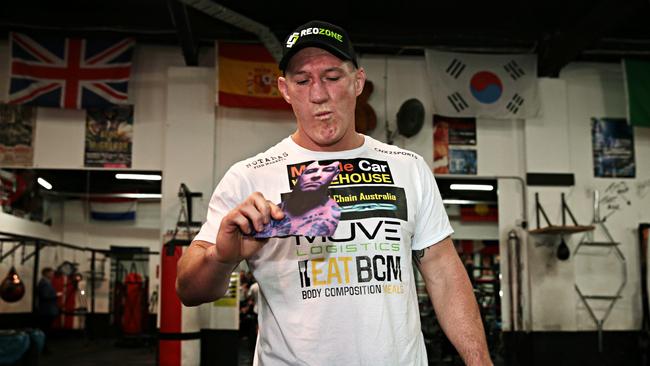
(351, 172)
(364, 258)
(364, 188)
(266, 160)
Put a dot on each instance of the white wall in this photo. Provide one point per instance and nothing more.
(59, 144)
(60, 133)
(583, 91)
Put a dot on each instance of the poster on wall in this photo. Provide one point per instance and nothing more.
(613, 148)
(461, 131)
(462, 161)
(440, 147)
(17, 124)
(458, 132)
(109, 137)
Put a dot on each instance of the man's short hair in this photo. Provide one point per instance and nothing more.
(46, 270)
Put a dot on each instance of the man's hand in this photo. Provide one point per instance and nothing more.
(252, 214)
(204, 268)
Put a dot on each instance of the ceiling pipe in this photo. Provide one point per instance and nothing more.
(231, 17)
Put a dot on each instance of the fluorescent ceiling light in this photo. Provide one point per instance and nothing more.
(138, 176)
(471, 187)
(457, 202)
(45, 184)
(138, 195)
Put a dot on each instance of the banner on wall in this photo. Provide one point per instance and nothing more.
(440, 147)
(613, 148)
(69, 72)
(109, 137)
(479, 85)
(17, 126)
(637, 88)
(248, 77)
(459, 132)
(462, 161)
(113, 209)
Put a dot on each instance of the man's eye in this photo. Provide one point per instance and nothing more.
(329, 169)
(302, 82)
(333, 78)
(310, 171)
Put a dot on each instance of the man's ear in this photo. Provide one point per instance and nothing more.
(359, 81)
(282, 87)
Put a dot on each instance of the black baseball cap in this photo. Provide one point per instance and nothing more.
(316, 33)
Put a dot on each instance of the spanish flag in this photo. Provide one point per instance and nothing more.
(248, 77)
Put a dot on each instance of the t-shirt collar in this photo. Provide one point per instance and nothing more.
(330, 154)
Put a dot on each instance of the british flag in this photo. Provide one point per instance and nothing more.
(69, 72)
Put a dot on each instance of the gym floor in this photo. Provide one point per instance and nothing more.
(81, 352)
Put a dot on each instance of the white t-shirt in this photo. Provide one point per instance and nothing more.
(349, 299)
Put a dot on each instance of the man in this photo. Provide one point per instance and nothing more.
(350, 298)
(48, 309)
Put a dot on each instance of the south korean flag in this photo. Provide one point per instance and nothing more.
(478, 85)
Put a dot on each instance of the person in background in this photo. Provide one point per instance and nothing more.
(48, 309)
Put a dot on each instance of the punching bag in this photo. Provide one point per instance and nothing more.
(180, 332)
(12, 288)
(133, 304)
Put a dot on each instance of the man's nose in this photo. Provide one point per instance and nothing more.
(315, 177)
(318, 92)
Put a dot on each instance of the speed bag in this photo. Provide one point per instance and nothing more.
(12, 288)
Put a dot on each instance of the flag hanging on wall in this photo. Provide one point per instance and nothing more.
(473, 85)
(637, 89)
(69, 72)
(248, 77)
(113, 209)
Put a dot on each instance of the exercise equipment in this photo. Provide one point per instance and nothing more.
(410, 117)
(72, 302)
(644, 335)
(609, 244)
(12, 288)
(563, 253)
(180, 333)
(135, 303)
(13, 345)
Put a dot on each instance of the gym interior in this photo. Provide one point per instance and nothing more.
(548, 197)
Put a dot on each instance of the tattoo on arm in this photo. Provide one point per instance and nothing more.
(417, 256)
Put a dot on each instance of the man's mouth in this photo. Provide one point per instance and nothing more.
(324, 115)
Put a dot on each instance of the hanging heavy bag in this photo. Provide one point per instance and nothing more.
(12, 288)
(133, 301)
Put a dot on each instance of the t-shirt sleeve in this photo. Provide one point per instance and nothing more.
(431, 220)
(230, 192)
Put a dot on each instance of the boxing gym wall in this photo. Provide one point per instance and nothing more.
(505, 148)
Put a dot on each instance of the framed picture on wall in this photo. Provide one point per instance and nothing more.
(109, 137)
(613, 148)
(17, 125)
